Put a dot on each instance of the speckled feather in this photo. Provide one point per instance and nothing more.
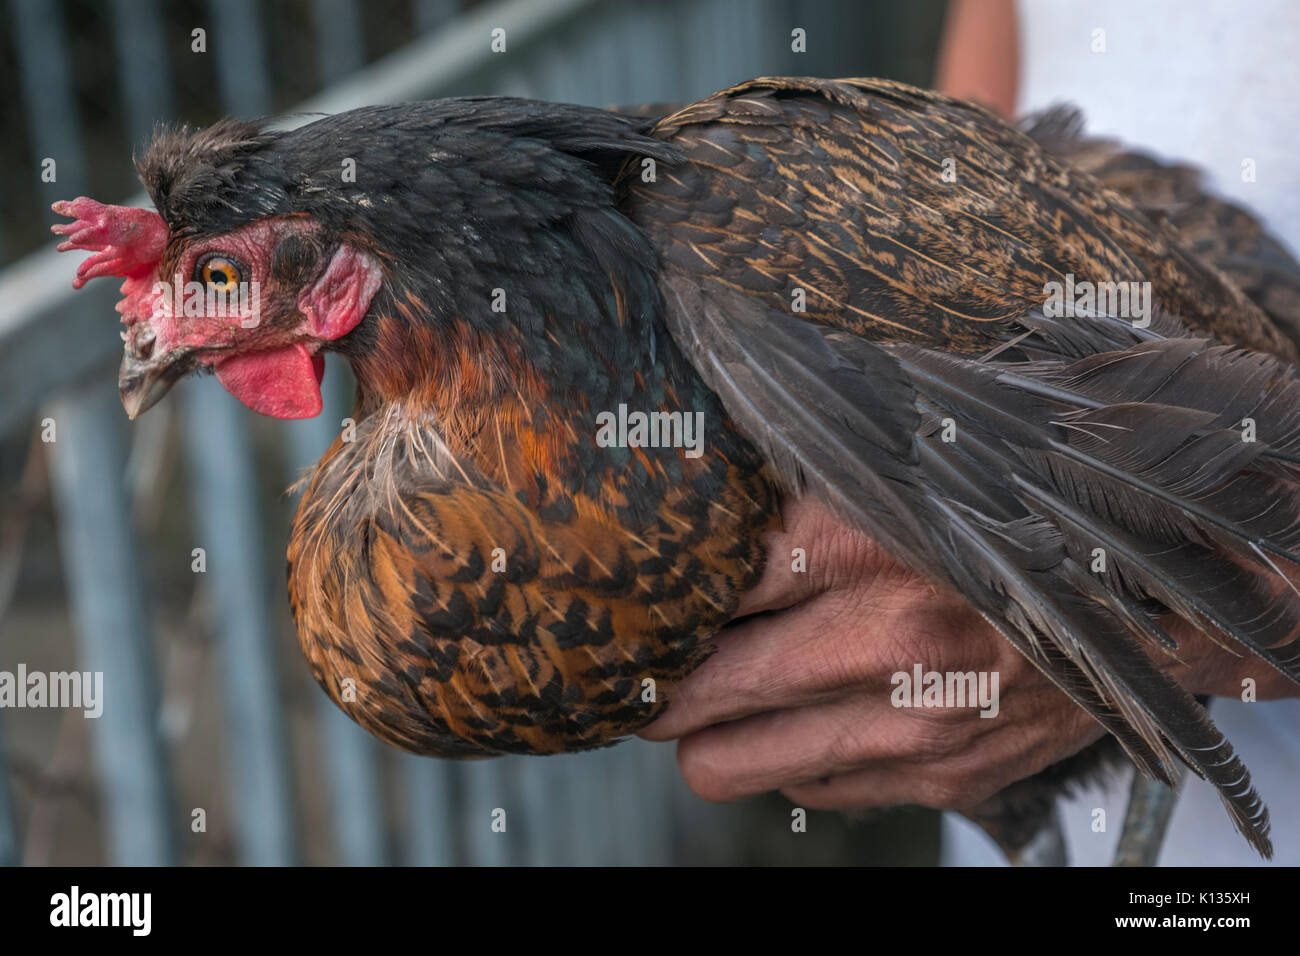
(837, 187)
(1174, 197)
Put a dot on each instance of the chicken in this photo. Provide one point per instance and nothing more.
(849, 283)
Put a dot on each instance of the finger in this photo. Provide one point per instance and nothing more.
(812, 553)
(840, 641)
(784, 748)
(949, 758)
(958, 773)
(765, 663)
(875, 787)
(788, 659)
(785, 581)
(962, 771)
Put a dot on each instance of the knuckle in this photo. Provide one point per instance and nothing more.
(845, 555)
(938, 737)
(848, 659)
(705, 772)
(936, 636)
(943, 790)
(959, 783)
(839, 555)
(843, 748)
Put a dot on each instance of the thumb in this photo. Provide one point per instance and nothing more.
(813, 552)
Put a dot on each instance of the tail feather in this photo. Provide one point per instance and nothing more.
(1131, 452)
(1156, 717)
(1225, 598)
(1057, 450)
(1016, 600)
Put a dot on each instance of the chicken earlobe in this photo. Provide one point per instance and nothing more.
(335, 304)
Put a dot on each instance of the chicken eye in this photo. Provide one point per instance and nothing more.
(220, 272)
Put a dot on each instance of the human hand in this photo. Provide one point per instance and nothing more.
(798, 699)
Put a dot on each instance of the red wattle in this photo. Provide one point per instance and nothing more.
(282, 383)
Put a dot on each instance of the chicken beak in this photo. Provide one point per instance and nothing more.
(143, 380)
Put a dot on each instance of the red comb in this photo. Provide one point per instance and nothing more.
(126, 241)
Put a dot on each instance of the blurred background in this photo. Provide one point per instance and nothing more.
(215, 745)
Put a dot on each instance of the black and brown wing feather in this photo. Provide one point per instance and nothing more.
(855, 265)
(1175, 197)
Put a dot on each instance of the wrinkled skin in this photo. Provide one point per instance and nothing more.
(798, 699)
